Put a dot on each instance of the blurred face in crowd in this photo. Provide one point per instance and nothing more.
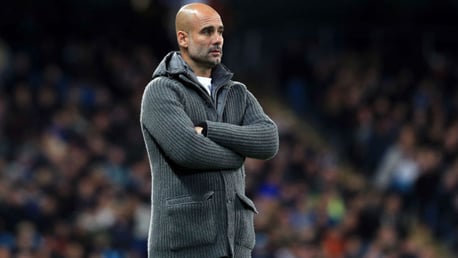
(200, 37)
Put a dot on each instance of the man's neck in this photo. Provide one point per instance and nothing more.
(198, 70)
(202, 72)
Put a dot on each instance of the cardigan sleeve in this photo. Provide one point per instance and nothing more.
(256, 137)
(163, 116)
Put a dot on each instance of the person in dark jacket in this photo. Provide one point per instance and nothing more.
(199, 126)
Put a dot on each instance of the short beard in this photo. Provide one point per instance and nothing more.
(206, 63)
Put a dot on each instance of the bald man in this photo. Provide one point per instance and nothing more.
(199, 126)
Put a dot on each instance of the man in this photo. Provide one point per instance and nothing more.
(199, 126)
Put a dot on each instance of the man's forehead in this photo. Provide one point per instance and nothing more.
(197, 16)
(213, 21)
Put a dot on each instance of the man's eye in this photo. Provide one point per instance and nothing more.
(207, 31)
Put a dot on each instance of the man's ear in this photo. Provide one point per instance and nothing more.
(182, 38)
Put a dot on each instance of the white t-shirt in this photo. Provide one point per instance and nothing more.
(206, 82)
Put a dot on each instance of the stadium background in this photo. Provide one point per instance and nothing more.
(364, 93)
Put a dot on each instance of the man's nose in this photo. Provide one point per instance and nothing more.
(218, 39)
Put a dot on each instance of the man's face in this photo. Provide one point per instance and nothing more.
(206, 41)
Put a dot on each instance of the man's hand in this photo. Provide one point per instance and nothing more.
(198, 129)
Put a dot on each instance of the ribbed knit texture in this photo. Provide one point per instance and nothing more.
(199, 207)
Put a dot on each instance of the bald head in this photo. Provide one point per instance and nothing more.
(199, 31)
(189, 15)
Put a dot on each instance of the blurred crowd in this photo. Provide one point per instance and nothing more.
(389, 172)
(75, 179)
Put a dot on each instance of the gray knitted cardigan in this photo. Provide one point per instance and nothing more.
(199, 208)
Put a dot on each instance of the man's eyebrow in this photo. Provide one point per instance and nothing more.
(210, 27)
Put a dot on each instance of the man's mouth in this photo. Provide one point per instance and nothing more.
(215, 51)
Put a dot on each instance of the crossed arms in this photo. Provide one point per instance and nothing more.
(225, 146)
